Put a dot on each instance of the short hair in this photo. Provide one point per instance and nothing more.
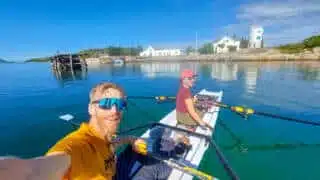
(102, 87)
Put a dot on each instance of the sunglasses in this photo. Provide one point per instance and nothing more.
(107, 103)
(191, 78)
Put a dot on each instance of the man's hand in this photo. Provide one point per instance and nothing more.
(195, 99)
(205, 124)
(140, 146)
(208, 126)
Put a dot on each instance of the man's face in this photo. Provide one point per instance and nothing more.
(107, 119)
(190, 81)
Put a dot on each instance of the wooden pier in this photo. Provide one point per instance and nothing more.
(68, 62)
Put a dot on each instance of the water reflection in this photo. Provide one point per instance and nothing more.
(220, 71)
(153, 70)
(309, 72)
(66, 76)
(224, 71)
(251, 75)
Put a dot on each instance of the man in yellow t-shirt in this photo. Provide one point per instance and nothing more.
(91, 148)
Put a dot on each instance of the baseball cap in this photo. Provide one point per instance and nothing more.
(187, 73)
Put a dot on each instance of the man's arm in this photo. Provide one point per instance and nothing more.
(139, 145)
(192, 111)
(119, 141)
(43, 167)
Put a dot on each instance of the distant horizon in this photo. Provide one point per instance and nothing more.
(33, 29)
(77, 51)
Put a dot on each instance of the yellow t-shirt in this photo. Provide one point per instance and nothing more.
(91, 156)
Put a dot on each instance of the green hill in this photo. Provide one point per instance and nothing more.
(4, 61)
(45, 59)
(111, 51)
(306, 44)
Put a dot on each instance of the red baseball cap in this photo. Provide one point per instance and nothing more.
(187, 73)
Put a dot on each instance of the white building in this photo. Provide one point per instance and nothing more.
(256, 37)
(150, 51)
(226, 44)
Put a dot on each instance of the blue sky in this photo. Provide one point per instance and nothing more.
(38, 28)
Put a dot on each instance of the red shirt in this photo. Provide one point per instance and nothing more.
(182, 95)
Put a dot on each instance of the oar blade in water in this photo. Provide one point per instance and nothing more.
(66, 117)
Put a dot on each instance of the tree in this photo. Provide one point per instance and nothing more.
(232, 48)
(244, 43)
(221, 46)
(206, 48)
(234, 36)
(312, 41)
(189, 50)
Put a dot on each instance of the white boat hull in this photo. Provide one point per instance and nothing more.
(199, 145)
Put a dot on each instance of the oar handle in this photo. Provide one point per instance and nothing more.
(182, 167)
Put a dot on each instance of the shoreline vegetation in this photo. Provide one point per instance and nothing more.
(5, 61)
(308, 49)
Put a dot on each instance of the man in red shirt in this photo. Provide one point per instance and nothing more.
(188, 117)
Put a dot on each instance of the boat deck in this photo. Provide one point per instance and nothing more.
(199, 145)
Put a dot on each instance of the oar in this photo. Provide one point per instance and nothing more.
(222, 159)
(226, 165)
(69, 118)
(157, 98)
(142, 148)
(277, 146)
(249, 111)
(182, 167)
(244, 112)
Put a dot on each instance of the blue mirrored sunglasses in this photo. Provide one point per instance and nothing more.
(107, 103)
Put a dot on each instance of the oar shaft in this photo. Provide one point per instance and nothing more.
(141, 97)
(136, 128)
(287, 118)
(248, 111)
(223, 160)
(189, 170)
(150, 97)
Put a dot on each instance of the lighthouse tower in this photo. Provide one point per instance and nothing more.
(256, 37)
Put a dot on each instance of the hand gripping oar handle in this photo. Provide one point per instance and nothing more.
(207, 138)
(222, 159)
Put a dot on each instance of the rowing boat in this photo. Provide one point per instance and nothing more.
(193, 156)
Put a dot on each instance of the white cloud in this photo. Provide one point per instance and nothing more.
(283, 21)
(278, 9)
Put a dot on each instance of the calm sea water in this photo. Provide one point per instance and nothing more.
(32, 98)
